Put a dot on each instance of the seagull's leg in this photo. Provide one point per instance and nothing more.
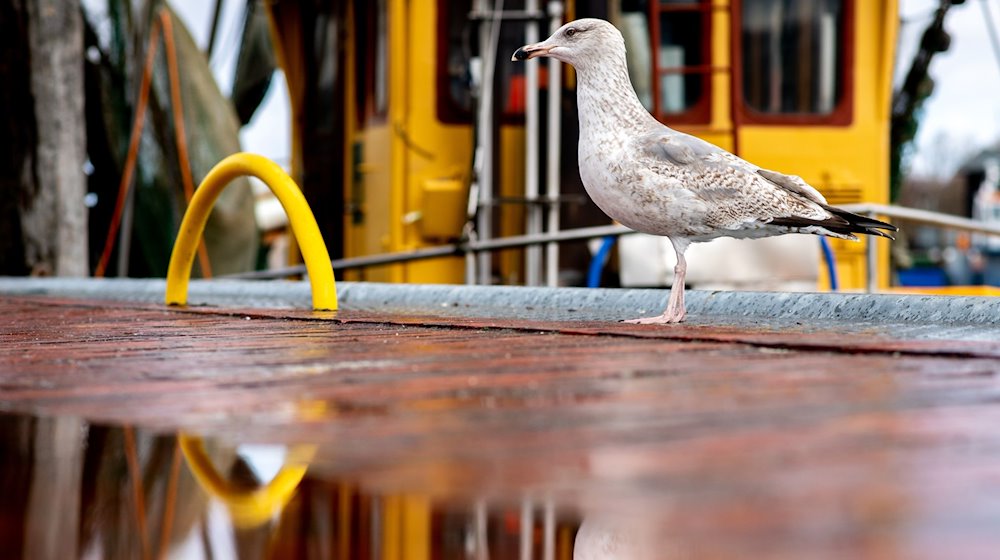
(674, 313)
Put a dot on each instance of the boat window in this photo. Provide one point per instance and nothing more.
(668, 55)
(792, 56)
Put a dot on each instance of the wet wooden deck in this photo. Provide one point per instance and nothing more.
(721, 441)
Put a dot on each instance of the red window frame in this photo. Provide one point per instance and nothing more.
(701, 111)
(842, 113)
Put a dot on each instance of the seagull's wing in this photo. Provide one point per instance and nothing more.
(730, 185)
(839, 219)
(793, 183)
(678, 148)
(743, 195)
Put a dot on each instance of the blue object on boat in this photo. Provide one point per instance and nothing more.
(831, 263)
(597, 263)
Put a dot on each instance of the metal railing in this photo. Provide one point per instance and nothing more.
(924, 217)
(448, 250)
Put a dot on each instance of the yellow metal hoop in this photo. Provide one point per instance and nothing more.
(249, 507)
(314, 253)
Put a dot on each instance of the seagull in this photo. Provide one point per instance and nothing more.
(659, 181)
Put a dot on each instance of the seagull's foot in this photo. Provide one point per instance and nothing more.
(668, 317)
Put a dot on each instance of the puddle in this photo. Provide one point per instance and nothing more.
(73, 489)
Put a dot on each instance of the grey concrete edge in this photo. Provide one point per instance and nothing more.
(540, 303)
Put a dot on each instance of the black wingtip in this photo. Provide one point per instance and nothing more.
(867, 222)
(864, 224)
(880, 233)
(842, 223)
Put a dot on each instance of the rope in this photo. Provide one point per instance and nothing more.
(180, 137)
(170, 501)
(179, 134)
(133, 151)
(135, 474)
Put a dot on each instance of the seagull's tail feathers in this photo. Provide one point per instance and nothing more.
(841, 224)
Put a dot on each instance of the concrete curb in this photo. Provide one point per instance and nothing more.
(544, 303)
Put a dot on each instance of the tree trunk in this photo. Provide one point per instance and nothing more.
(53, 514)
(41, 61)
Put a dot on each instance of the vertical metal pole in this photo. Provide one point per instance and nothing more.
(527, 529)
(482, 526)
(470, 268)
(552, 185)
(533, 218)
(871, 269)
(488, 29)
(125, 231)
(549, 531)
(469, 231)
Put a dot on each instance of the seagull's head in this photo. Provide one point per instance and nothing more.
(576, 43)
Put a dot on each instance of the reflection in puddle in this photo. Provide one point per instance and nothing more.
(69, 489)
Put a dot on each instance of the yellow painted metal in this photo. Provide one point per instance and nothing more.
(317, 259)
(400, 109)
(406, 527)
(392, 528)
(399, 154)
(349, 118)
(511, 185)
(564, 546)
(442, 210)
(344, 526)
(417, 526)
(248, 507)
(719, 129)
(947, 290)
(379, 202)
(431, 149)
(850, 163)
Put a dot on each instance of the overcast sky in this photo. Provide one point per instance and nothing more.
(962, 116)
(268, 132)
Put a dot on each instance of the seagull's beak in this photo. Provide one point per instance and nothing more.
(527, 52)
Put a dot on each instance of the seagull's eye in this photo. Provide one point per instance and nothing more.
(571, 31)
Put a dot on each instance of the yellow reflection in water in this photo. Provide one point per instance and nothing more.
(249, 507)
(70, 489)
